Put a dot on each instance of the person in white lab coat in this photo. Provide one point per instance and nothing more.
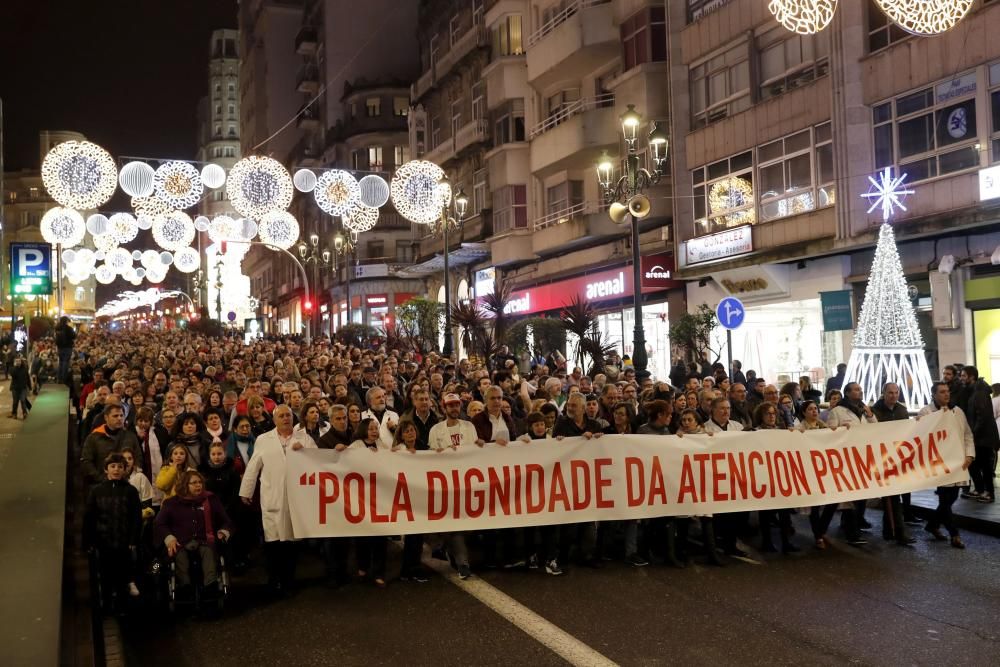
(268, 464)
(386, 418)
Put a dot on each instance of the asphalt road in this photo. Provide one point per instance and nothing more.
(882, 605)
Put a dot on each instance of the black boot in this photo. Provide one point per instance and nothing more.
(670, 558)
(708, 536)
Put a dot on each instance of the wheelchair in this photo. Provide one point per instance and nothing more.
(201, 597)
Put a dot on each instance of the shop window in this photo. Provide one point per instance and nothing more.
(882, 32)
(789, 61)
(720, 86)
(373, 107)
(400, 106)
(510, 208)
(724, 194)
(795, 174)
(508, 123)
(375, 158)
(995, 110)
(644, 37)
(507, 36)
(930, 132)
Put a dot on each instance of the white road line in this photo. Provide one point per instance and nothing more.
(560, 642)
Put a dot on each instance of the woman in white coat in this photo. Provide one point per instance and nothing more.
(268, 464)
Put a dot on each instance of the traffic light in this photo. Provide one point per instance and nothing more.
(308, 306)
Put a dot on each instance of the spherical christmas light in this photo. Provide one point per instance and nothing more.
(201, 223)
(63, 226)
(221, 228)
(374, 191)
(149, 259)
(925, 17)
(258, 185)
(97, 224)
(140, 272)
(128, 273)
(178, 184)
(144, 222)
(156, 276)
(118, 259)
(136, 179)
(123, 226)
(187, 260)
(68, 256)
(174, 230)
(85, 257)
(360, 219)
(336, 192)
(166, 258)
(414, 190)
(105, 274)
(246, 228)
(805, 17)
(279, 228)
(151, 205)
(213, 176)
(79, 174)
(732, 193)
(304, 180)
(136, 255)
(98, 256)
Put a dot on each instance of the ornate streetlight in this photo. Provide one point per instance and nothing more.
(461, 205)
(312, 253)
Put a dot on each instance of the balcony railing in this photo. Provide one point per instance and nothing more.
(697, 9)
(559, 18)
(570, 109)
(470, 133)
(306, 40)
(566, 214)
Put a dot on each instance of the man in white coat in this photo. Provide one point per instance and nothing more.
(386, 418)
(268, 464)
(947, 495)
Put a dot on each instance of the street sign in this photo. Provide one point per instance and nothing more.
(30, 268)
(730, 312)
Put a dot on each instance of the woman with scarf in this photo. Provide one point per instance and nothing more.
(260, 421)
(189, 430)
(246, 518)
(215, 425)
(311, 422)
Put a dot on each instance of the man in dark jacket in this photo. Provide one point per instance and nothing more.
(339, 436)
(111, 437)
(112, 523)
(895, 508)
(978, 407)
(65, 336)
(492, 424)
(423, 417)
(20, 383)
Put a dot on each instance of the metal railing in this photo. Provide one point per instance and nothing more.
(560, 17)
(570, 109)
(573, 212)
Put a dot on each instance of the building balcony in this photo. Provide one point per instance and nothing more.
(578, 225)
(470, 134)
(308, 118)
(443, 153)
(307, 80)
(475, 38)
(506, 79)
(422, 85)
(574, 42)
(511, 248)
(508, 164)
(574, 135)
(306, 41)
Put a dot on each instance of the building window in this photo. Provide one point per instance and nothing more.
(795, 174)
(882, 33)
(232, 110)
(478, 10)
(400, 155)
(508, 123)
(507, 36)
(218, 87)
(400, 106)
(232, 130)
(930, 132)
(510, 208)
(79, 294)
(375, 158)
(435, 131)
(455, 29)
(373, 107)
(404, 252)
(480, 191)
(217, 151)
(720, 86)
(435, 48)
(229, 151)
(560, 106)
(789, 61)
(562, 197)
(724, 194)
(218, 110)
(376, 249)
(479, 100)
(696, 9)
(994, 74)
(644, 37)
(456, 116)
(354, 110)
(232, 89)
(358, 159)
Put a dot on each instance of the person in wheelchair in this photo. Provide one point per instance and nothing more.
(190, 524)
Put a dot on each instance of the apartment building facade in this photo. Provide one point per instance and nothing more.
(774, 137)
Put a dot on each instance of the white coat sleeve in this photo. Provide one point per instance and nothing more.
(251, 475)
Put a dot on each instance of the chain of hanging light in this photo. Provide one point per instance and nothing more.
(918, 17)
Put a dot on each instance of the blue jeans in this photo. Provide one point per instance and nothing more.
(65, 355)
(19, 397)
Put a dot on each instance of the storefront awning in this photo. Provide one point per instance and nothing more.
(467, 253)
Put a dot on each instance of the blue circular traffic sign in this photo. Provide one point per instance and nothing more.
(730, 312)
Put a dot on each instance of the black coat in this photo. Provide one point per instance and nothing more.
(65, 336)
(113, 518)
(883, 413)
(19, 378)
(979, 410)
(223, 481)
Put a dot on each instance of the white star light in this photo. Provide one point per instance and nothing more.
(887, 192)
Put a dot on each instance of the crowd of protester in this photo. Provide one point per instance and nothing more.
(184, 440)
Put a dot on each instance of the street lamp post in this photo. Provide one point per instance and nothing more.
(343, 245)
(461, 203)
(312, 253)
(628, 201)
(302, 271)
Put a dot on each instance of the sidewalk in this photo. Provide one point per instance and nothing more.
(971, 515)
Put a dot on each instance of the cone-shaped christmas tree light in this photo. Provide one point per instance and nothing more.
(888, 346)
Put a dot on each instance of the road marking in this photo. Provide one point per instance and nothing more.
(560, 642)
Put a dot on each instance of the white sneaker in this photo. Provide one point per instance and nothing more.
(552, 567)
(133, 590)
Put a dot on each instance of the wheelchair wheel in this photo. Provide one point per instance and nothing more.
(172, 589)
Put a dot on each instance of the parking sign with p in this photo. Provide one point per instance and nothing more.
(30, 268)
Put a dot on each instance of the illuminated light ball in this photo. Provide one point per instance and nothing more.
(105, 274)
(63, 226)
(99, 255)
(68, 256)
(151, 205)
(140, 272)
(136, 280)
(337, 191)
(805, 17)
(105, 242)
(374, 191)
(97, 224)
(166, 258)
(304, 180)
(201, 223)
(247, 228)
(85, 257)
(173, 231)
(213, 176)
(136, 179)
(156, 276)
(178, 184)
(259, 185)
(144, 222)
(925, 17)
(150, 258)
(187, 260)
(221, 228)
(136, 255)
(129, 274)
(279, 228)
(414, 191)
(118, 260)
(361, 219)
(79, 174)
(123, 226)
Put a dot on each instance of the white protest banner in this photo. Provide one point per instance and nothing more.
(359, 492)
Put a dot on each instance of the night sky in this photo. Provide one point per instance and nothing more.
(126, 73)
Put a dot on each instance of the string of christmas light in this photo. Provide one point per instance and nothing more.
(805, 17)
